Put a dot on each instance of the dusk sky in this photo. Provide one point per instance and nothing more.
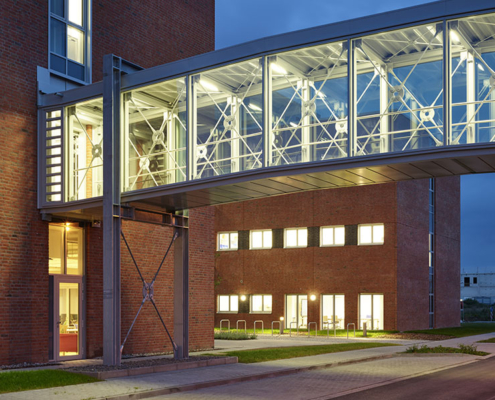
(239, 21)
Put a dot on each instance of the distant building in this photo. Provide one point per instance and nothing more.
(478, 286)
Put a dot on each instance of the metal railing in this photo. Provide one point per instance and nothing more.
(328, 323)
(228, 324)
(279, 326)
(237, 325)
(354, 325)
(309, 329)
(262, 326)
(290, 328)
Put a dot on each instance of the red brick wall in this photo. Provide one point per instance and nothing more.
(447, 252)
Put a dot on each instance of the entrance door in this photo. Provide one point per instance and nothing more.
(68, 322)
(296, 310)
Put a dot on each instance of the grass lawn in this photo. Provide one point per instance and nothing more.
(17, 381)
(492, 340)
(280, 353)
(340, 332)
(466, 329)
(440, 349)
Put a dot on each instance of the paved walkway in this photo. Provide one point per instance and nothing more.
(310, 384)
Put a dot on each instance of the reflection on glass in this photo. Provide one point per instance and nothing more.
(69, 319)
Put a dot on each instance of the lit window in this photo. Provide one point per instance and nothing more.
(332, 236)
(227, 240)
(69, 41)
(261, 239)
(296, 237)
(228, 303)
(65, 245)
(261, 303)
(371, 311)
(371, 234)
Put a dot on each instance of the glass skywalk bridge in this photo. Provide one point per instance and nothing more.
(403, 95)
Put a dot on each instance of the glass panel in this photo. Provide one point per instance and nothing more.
(233, 240)
(309, 104)
(234, 303)
(327, 313)
(57, 63)
(54, 114)
(74, 250)
(76, 12)
(75, 70)
(228, 120)
(378, 311)
(378, 233)
(75, 44)
(473, 82)
(223, 241)
(69, 319)
(327, 237)
(291, 238)
(291, 311)
(303, 311)
(400, 90)
(223, 303)
(58, 37)
(155, 135)
(340, 235)
(257, 303)
(57, 7)
(56, 249)
(302, 237)
(257, 238)
(267, 303)
(364, 234)
(84, 135)
(365, 312)
(267, 240)
(340, 311)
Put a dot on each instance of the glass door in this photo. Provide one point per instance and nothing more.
(68, 318)
(296, 310)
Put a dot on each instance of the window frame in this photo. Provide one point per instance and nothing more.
(372, 243)
(298, 246)
(263, 231)
(262, 304)
(372, 327)
(86, 29)
(229, 233)
(65, 227)
(230, 304)
(332, 227)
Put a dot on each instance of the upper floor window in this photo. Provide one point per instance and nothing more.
(261, 239)
(65, 249)
(69, 38)
(332, 236)
(296, 237)
(227, 240)
(371, 234)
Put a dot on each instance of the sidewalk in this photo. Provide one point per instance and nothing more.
(313, 376)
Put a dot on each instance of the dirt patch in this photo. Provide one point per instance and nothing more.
(414, 336)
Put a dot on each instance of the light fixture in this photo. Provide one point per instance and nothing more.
(254, 107)
(480, 67)
(67, 226)
(293, 124)
(312, 297)
(243, 298)
(208, 86)
(454, 36)
(281, 318)
(278, 68)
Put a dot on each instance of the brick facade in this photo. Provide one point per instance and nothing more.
(398, 269)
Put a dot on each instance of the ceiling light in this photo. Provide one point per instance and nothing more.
(254, 107)
(243, 298)
(278, 68)
(208, 86)
(293, 124)
(454, 36)
(480, 67)
(313, 297)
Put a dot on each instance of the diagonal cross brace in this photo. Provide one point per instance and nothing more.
(148, 293)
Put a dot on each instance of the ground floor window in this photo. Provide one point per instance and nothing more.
(333, 311)
(296, 311)
(228, 303)
(371, 311)
(261, 303)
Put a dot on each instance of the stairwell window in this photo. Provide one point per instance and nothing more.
(295, 237)
(261, 239)
(228, 303)
(227, 241)
(332, 236)
(371, 234)
(69, 41)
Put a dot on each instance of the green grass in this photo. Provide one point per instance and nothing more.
(234, 335)
(464, 349)
(17, 381)
(340, 332)
(466, 329)
(281, 353)
(492, 340)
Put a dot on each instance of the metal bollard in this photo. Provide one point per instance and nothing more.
(365, 333)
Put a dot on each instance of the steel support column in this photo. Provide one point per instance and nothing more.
(181, 293)
(447, 83)
(111, 209)
(352, 106)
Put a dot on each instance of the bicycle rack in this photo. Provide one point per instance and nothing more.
(309, 329)
(279, 326)
(237, 325)
(228, 324)
(354, 325)
(328, 328)
(290, 328)
(262, 328)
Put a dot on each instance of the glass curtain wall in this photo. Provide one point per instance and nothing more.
(155, 135)
(399, 95)
(309, 104)
(84, 150)
(228, 134)
(472, 42)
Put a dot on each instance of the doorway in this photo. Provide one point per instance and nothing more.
(296, 310)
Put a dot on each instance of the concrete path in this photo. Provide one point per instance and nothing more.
(325, 382)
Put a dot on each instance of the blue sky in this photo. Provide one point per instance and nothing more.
(240, 21)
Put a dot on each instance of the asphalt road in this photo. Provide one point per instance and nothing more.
(473, 381)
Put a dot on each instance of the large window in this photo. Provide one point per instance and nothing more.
(371, 234)
(261, 239)
(296, 237)
(227, 240)
(228, 303)
(69, 42)
(333, 311)
(65, 248)
(261, 303)
(332, 236)
(371, 311)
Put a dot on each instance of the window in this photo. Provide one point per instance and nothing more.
(296, 237)
(475, 280)
(371, 234)
(261, 303)
(332, 236)
(466, 281)
(65, 249)
(371, 311)
(333, 311)
(261, 239)
(228, 303)
(227, 240)
(69, 41)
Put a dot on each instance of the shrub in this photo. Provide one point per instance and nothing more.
(235, 335)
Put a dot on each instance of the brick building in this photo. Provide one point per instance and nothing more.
(58, 45)
(342, 256)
